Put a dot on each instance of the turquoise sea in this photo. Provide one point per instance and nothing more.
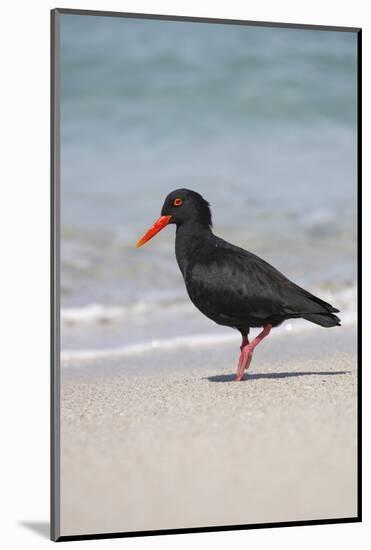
(261, 121)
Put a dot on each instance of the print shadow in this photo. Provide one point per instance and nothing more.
(42, 528)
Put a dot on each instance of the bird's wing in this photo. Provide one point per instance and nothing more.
(235, 282)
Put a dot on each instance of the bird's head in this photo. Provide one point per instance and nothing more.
(180, 206)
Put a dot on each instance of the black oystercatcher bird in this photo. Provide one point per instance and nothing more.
(229, 285)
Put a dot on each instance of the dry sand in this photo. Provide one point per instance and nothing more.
(188, 446)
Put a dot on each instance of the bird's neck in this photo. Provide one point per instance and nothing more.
(189, 240)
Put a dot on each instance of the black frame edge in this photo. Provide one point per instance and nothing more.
(220, 21)
(54, 281)
(359, 269)
(131, 534)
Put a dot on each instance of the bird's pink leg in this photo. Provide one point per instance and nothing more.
(244, 343)
(247, 351)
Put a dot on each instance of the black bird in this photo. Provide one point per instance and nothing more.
(230, 285)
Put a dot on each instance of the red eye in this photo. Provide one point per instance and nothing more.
(178, 202)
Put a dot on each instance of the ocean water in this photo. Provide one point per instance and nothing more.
(260, 121)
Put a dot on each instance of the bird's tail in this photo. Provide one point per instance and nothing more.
(323, 319)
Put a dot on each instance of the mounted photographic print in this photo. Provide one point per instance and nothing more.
(205, 285)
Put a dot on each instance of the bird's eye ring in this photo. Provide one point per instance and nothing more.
(178, 202)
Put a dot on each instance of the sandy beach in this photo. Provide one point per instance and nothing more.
(170, 440)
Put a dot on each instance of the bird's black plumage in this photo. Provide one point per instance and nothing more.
(229, 285)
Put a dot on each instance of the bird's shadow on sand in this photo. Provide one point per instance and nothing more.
(272, 375)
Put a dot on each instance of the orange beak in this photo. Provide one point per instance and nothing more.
(156, 227)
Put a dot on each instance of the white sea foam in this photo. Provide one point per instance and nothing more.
(92, 313)
(69, 357)
(148, 346)
(344, 298)
(98, 313)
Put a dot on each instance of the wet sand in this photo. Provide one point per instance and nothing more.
(170, 440)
